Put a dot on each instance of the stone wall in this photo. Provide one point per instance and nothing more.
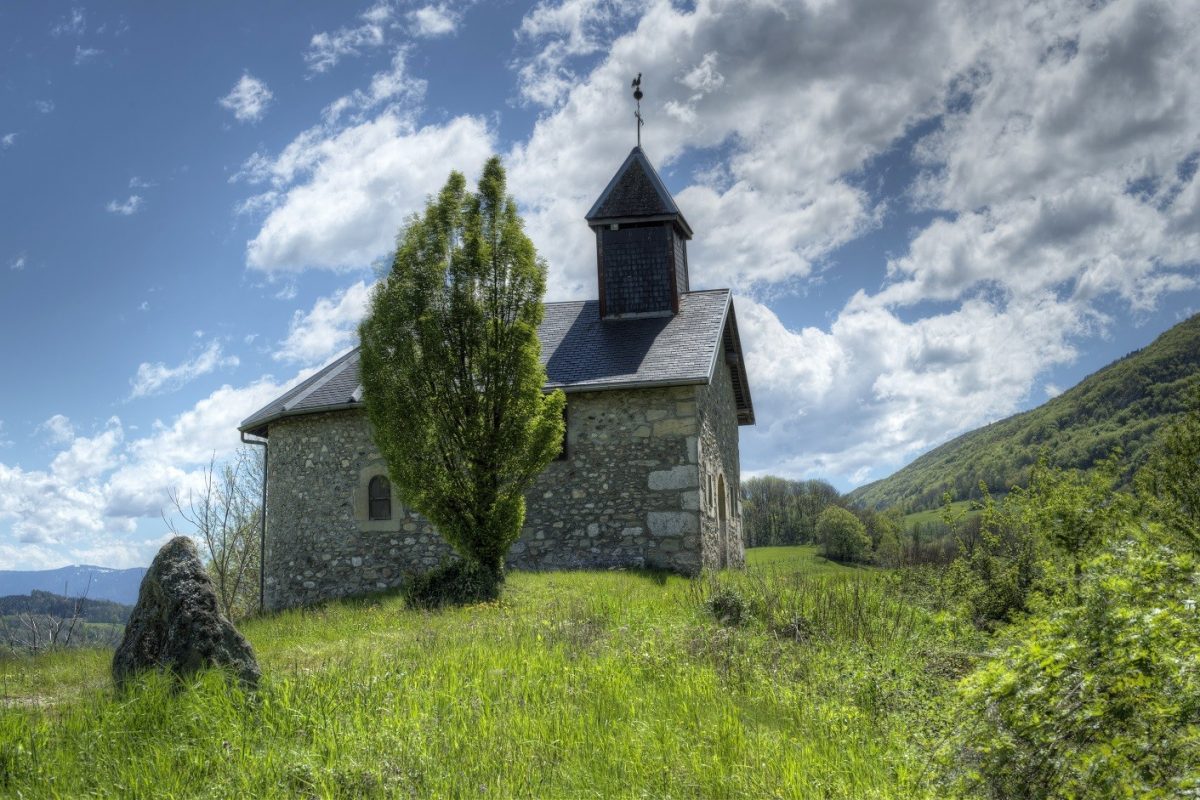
(720, 472)
(627, 494)
(320, 543)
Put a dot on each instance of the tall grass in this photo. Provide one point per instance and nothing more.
(609, 684)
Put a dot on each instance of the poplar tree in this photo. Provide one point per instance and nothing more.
(450, 367)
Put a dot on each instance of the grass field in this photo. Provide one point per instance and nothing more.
(797, 678)
(935, 514)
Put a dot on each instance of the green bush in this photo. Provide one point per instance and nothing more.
(842, 535)
(452, 583)
(1099, 699)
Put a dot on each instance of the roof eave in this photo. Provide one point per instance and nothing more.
(259, 427)
(745, 415)
(579, 388)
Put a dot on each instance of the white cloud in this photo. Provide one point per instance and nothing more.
(789, 100)
(158, 377)
(559, 35)
(433, 20)
(85, 54)
(327, 49)
(18, 263)
(58, 429)
(88, 457)
(44, 106)
(330, 326)
(248, 99)
(74, 24)
(8, 140)
(140, 183)
(128, 207)
(85, 506)
(344, 195)
(393, 86)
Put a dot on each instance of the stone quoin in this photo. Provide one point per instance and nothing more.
(649, 475)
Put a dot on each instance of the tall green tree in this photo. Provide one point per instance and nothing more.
(843, 536)
(450, 370)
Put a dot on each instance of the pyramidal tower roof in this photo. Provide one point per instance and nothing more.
(636, 193)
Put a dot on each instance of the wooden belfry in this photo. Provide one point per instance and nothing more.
(641, 238)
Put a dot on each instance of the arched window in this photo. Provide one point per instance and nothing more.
(379, 498)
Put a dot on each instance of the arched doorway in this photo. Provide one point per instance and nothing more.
(722, 525)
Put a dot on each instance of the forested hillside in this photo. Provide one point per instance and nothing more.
(55, 605)
(1121, 406)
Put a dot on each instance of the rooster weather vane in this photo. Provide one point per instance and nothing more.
(637, 95)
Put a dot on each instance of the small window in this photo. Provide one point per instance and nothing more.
(562, 449)
(379, 496)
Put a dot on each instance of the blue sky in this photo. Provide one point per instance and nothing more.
(932, 214)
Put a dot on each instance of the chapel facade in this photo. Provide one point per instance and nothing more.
(649, 471)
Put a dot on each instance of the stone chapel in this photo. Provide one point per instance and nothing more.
(648, 475)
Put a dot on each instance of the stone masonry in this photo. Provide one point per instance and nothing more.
(637, 488)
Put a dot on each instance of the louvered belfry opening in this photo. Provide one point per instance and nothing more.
(641, 243)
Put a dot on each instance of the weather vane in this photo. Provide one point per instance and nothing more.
(637, 95)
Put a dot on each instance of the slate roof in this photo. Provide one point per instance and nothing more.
(581, 352)
(636, 191)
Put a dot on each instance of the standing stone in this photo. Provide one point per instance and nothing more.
(177, 623)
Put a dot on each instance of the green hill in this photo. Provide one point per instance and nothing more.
(1121, 405)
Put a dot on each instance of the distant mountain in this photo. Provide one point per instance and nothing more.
(98, 583)
(49, 604)
(1121, 405)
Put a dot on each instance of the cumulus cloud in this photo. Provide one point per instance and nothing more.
(157, 378)
(44, 106)
(248, 99)
(58, 429)
(18, 263)
(343, 195)
(127, 207)
(8, 140)
(330, 326)
(84, 507)
(90, 456)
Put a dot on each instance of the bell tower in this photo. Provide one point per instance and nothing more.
(641, 240)
(641, 243)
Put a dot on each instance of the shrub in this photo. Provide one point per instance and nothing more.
(728, 605)
(1098, 699)
(452, 583)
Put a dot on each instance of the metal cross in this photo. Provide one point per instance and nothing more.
(637, 95)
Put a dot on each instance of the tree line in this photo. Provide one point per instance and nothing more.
(780, 512)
